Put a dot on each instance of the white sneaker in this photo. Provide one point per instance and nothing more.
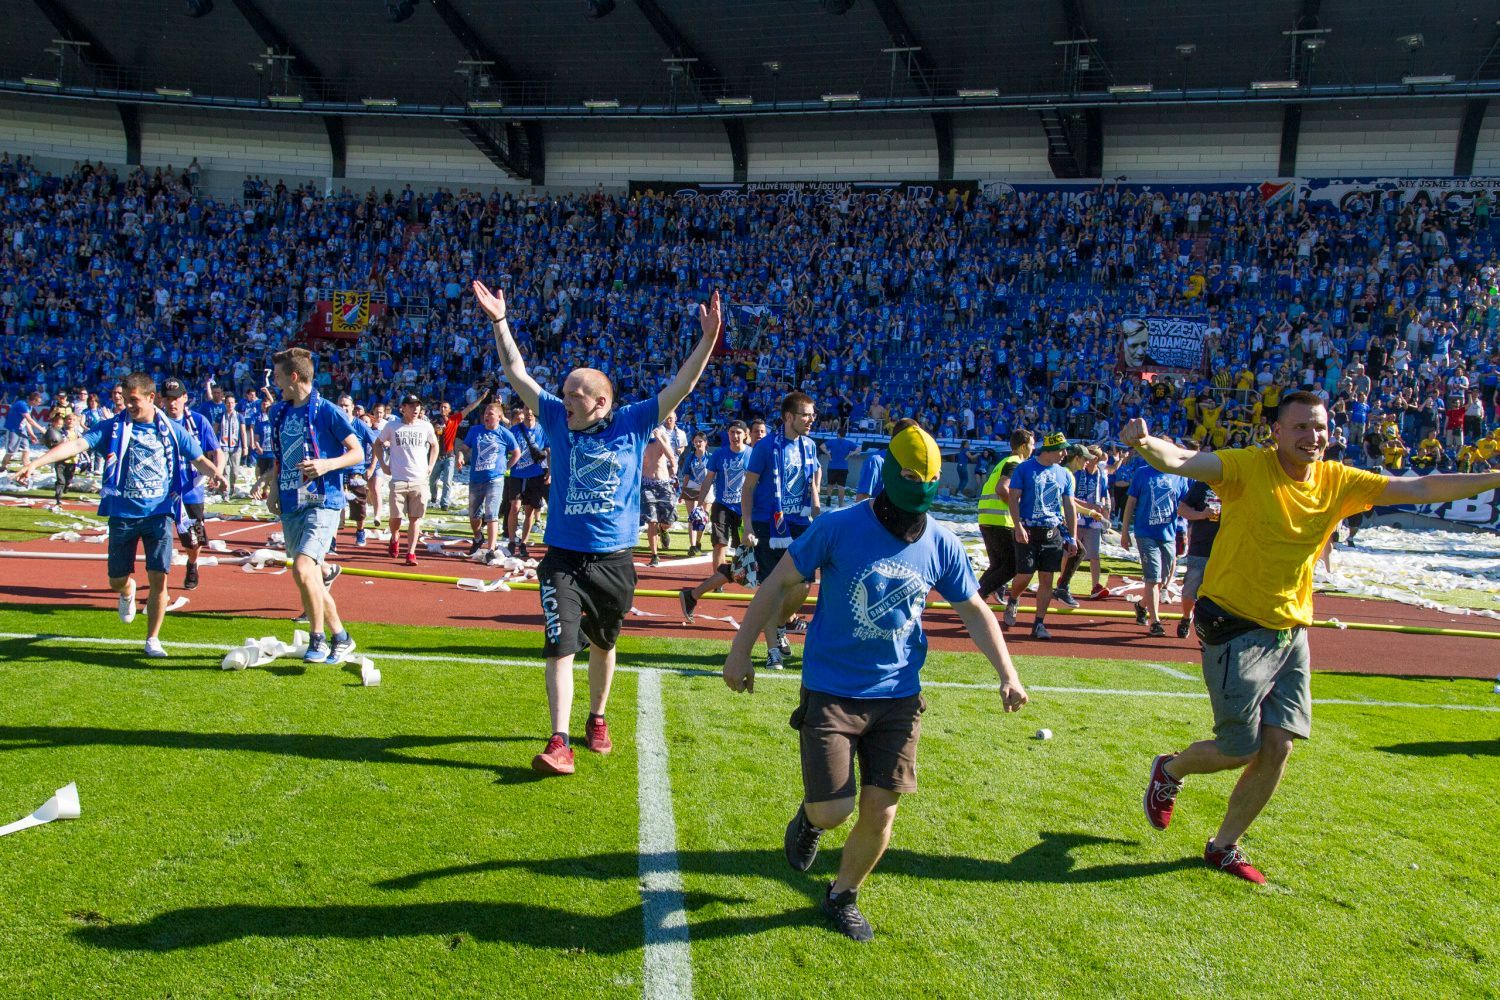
(127, 605)
(154, 649)
(774, 659)
(1010, 613)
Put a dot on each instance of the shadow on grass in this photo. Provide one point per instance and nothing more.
(367, 749)
(1049, 861)
(1446, 748)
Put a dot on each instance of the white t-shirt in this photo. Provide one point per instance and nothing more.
(408, 447)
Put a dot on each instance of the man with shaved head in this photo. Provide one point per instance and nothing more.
(587, 578)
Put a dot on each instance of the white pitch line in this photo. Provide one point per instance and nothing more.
(790, 675)
(1169, 671)
(668, 973)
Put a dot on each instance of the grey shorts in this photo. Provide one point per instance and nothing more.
(1158, 559)
(309, 531)
(1254, 681)
(658, 502)
(1195, 566)
(16, 441)
(484, 500)
(1088, 542)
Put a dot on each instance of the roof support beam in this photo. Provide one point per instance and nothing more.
(274, 38)
(705, 76)
(738, 149)
(1291, 130)
(919, 66)
(338, 147)
(130, 121)
(942, 130)
(1468, 136)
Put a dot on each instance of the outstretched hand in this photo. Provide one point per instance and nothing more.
(711, 317)
(492, 302)
(1134, 432)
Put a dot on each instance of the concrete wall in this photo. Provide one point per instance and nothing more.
(842, 147)
(60, 133)
(1000, 145)
(581, 156)
(1224, 142)
(1379, 139)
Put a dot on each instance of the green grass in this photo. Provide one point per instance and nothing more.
(286, 832)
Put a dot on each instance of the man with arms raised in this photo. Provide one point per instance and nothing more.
(148, 467)
(861, 687)
(313, 442)
(1279, 505)
(587, 578)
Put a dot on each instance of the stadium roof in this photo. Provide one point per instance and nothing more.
(543, 57)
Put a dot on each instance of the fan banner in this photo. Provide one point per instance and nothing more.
(1166, 345)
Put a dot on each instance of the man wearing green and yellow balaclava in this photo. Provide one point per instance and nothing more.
(861, 690)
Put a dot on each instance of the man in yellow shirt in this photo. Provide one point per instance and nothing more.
(1279, 506)
(1393, 454)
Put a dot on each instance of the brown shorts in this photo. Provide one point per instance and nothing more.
(881, 732)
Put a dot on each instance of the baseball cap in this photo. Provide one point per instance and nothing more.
(411, 397)
(1082, 451)
(915, 451)
(1056, 441)
(173, 388)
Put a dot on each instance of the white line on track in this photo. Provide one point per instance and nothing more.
(1170, 671)
(668, 971)
(790, 675)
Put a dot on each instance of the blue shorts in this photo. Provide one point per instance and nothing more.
(484, 500)
(124, 532)
(310, 531)
(1158, 559)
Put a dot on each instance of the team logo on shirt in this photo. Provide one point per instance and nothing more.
(293, 444)
(594, 476)
(1163, 502)
(793, 477)
(487, 455)
(1049, 494)
(148, 471)
(887, 600)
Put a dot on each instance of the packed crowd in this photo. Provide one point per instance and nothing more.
(971, 316)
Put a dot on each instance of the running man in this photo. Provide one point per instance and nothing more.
(491, 451)
(1280, 504)
(20, 428)
(726, 477)
(1092, 498)
(1151, 517)
(996, 527)
(148, 467)
(1041, 504)
(314, 442)
(692, 470)
(359, 485)
(174, 401)
(861, 675)
(658, 497)
(1200, 508)
(839, 450)
(406, 449)
(529, 480)
(587, 578)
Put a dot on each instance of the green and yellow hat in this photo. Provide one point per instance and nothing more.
(1056, 441)
(912, 450)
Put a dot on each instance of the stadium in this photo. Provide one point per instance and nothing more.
(507, 498)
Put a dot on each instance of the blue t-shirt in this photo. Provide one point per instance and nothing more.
(870, 482)
(331, 426)
(1156, 497)
(595, 496)
(367, 436)
(489, 453)
(728, 467)
(799, 463)
(866, 640)
(526, 438)
(1042, 490)
(15, 417)
(199, 427)
(692, 469)
(262, 424)
(1091, 488)
(146, 483)
(838, 452)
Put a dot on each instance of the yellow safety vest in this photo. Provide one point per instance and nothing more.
(992, 510)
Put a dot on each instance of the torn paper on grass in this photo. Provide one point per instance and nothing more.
(62, 805)
(482, 586)
(259, 652)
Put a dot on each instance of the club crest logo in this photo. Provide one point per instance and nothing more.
(594, 476)
(148, 470)
(887, 601)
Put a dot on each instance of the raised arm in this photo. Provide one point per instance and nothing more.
(1164, 456)
(493, 304)
(1435, 488)
(711, 318)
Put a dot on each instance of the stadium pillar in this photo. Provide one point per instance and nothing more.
(1468, 136)
(337, 145)
(942, 129)
(738, 149)
(536, 153)
(1291, 128)
(130, 121)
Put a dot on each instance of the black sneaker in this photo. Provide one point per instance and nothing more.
(301, 619)
(1039, 631)
(801, 841)
(1184, 627)
(689, 603)
(841, 909)
(1157, 629)
(190, 578)
(1140, 614)
(475, 546)
(655, 561)
(331, 573)
(782, 645)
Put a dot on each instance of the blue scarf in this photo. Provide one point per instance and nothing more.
(781, 530)
(181, 480)
(279, 414)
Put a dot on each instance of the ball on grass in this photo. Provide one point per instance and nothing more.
(1044, 734)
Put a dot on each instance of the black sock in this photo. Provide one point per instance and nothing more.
(596, 715)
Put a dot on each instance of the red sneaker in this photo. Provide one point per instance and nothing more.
(1232, 860)
(1161, 793)
(1100, 593)
(411, 559)
(394, 548)
(596, 735)
(556, 759)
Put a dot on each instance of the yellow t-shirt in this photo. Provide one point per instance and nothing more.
(1271, 395)
(1272, 529)
(1430, 446)
(1486, 449)
(1394, 455)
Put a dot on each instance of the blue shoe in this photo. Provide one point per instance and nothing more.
(340, 650)
(317, 651)
(359, 538)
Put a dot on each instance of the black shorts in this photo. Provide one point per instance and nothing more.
(726, 525)
(1042, 552)
(531, 491)
(838, 477)
(264, 464)
(766, 557)
(585, 597)
(196, 535)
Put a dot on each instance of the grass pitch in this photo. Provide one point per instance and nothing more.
(286, 832)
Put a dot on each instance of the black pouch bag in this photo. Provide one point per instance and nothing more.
(1215, 626)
